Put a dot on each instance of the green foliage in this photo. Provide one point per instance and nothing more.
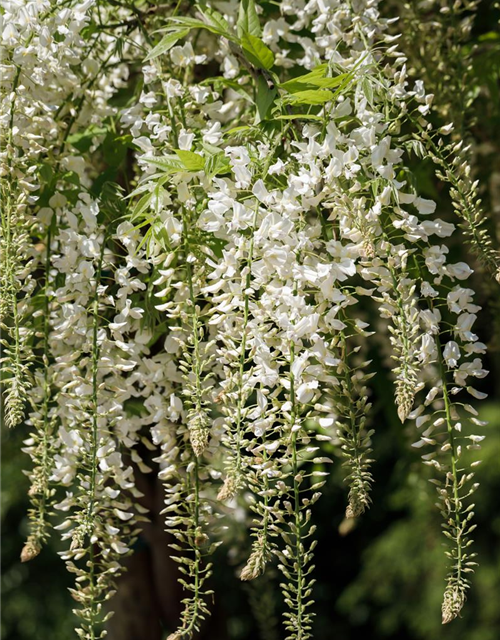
(256, 51)
(166, 43)
(248, 20)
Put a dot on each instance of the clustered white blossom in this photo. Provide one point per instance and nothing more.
(211, 306)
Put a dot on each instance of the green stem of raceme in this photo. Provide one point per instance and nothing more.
(17, 335)
(296, 492)
(94, 440)
(265, 524)
(6, 214)
(402, 312)
(13, 107)
(195, 480)
(246, 309)
(451, 438)
(477, 241)
(453, 455)
(6, 217)
(195, 330)
(8, 266)
(188, 630)
(46, 388)
(243, 346)
(347, 377)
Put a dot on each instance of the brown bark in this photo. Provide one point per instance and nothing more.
(147, 604)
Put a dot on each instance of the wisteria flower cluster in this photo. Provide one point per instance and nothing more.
(208, 214)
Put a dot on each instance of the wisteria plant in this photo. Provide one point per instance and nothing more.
(208, 218)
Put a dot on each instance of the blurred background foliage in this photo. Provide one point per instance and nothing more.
(383, 577)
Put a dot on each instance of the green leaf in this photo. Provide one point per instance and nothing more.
(72, 178)
(310, 96)
(256, 51)
(168, 164)
(322, 83)
(187, 21)
(299, 116)
(318, 72)
(329, 83)
(239, 129)
(248, 20)
(88, 31)
(166, 43)
(490, 36)
(211, 149)
(367, 90)
(214, 26)
(134, 407)
(216, 19)
(142, 205)
(216, 165)
(316, 78)
(265, 97)
(46, 172)
(191, 160)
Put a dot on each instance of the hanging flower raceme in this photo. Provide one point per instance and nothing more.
(209, 255)
(95, 437)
